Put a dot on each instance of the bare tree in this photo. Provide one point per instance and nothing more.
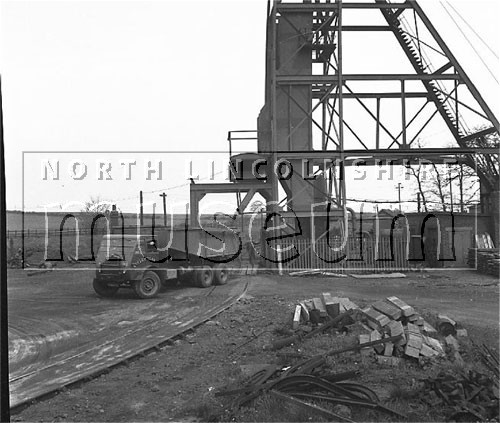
(436, 183)
(465, 183)
(486, 165)
(92, 212)
(416, 172)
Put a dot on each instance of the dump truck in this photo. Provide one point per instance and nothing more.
(146, 262)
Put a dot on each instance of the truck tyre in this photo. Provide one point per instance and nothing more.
(148, 286)
(204, 277)
(221, 274)
(103, 289)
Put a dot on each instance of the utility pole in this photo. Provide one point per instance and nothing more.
(164, 208)
(451, 189)
(461, 187)
(141, 209)
(399, 187)
(153, 221)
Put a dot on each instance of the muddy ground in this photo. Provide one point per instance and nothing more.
(178, 381)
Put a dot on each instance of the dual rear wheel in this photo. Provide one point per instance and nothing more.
(206, 276)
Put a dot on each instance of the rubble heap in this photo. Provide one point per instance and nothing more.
(394, 331)
(386, 318)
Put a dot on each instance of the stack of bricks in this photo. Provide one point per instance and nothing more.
(321, 309)
(385, 318)
(485, 260)
(393, 317)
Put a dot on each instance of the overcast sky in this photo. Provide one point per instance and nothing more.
(123, 76)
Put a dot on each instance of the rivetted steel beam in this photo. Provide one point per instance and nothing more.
(332, 7)
(478, 134)
(331, 79)
(317, 93)
(384, 153)
(367, 28)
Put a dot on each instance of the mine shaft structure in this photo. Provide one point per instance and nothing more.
(321, 114)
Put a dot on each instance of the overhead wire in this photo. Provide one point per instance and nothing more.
(168, 188)
(469, 42)
(472, 29)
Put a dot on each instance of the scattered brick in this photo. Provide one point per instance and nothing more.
(433, 343)
(296, 317)
(375, 316)
(341, 306)
(414, 318)
(427, 351)
(420, 322)
(413, 328)
(395, 329)
(305, 311)
(405, 308)
(375, 336)
(388, 309)
(412, 352)
(332, 307)
(428, 328)
(348, 304)
(367, 352)
(389, 349)
(414, 341)
(318, 305)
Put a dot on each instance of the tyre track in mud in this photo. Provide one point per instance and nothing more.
(57, 340)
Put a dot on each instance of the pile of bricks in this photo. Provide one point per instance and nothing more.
(320, 309)
(385, 318)
(486, 261)
(393, 317)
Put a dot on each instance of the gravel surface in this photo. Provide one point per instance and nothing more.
(178, 381)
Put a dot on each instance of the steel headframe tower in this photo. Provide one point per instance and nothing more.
(309, 117)
(320, 119)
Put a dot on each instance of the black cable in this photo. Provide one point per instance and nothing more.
(468, 41)
(472, 29)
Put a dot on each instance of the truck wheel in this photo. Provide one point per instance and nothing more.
(103, 289)
(148, 286)
(204, 276)
(221, 274)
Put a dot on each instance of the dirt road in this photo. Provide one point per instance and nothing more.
(60, 331)
(177, 382)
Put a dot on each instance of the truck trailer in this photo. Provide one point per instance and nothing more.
(146, 262)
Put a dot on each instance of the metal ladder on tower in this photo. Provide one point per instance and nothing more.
(437, 94)
(485, 165)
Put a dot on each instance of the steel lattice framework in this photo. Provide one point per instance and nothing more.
(445, 85)
(308, 112)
